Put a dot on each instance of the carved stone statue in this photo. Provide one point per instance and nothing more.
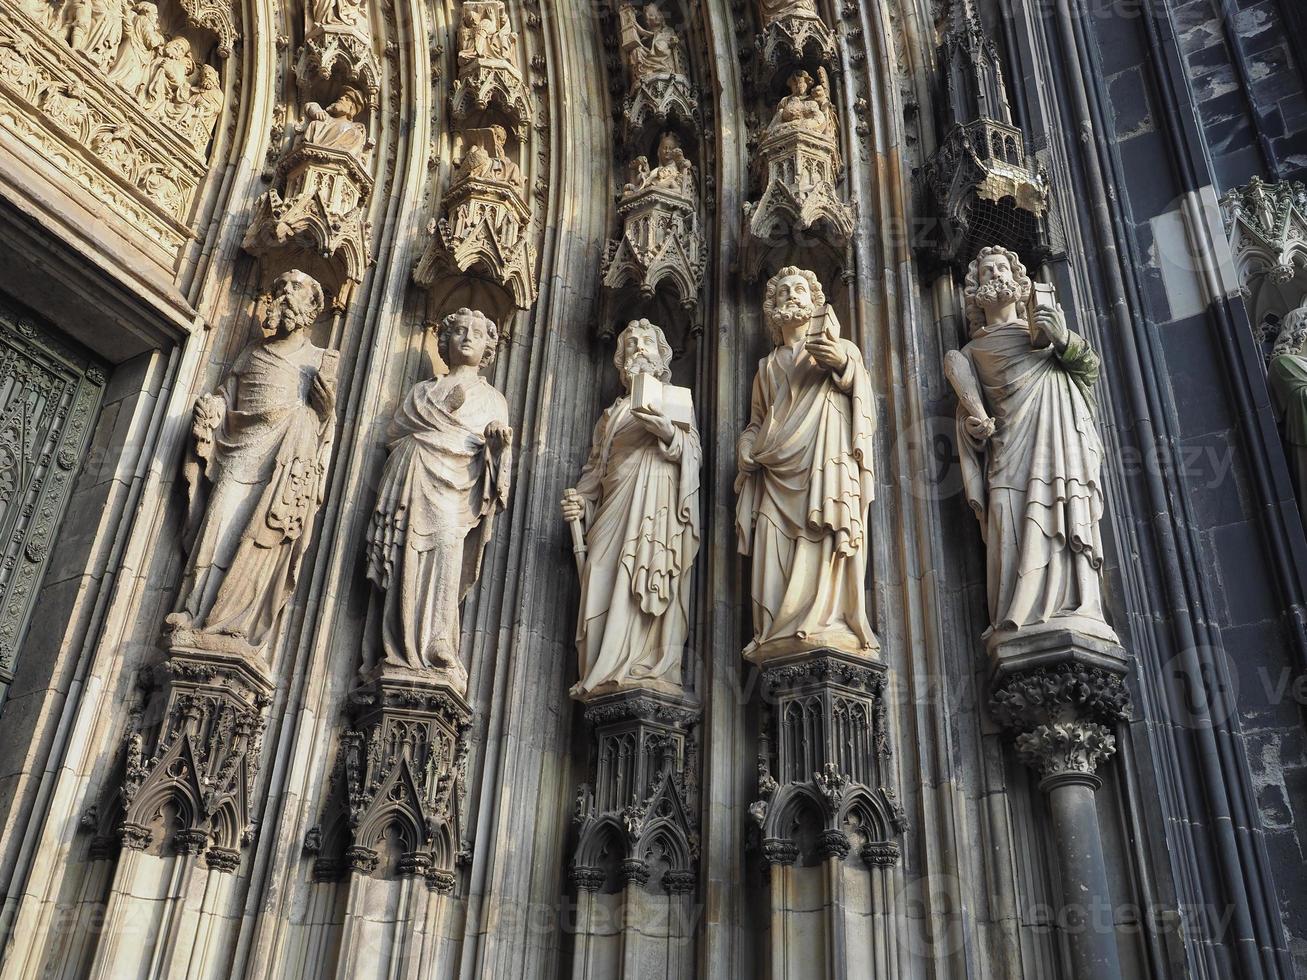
(96, 27)
(201, 112)
(652, 49)
(334, 128)
(256, 473)
(487, 158)
(1287, 373)
(447, 476)
(168, 90)
(807, 107)
(484, 32)
(674, 172)
(338, 13)
(638, 500)
(805, 479)
(774, 10)
(141, 40)
(1030, 454)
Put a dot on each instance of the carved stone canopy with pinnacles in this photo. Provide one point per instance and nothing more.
(1267, 227)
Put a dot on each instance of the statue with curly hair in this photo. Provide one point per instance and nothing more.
(806, 480)
(1287, 373)
(1030, 453)
(447, 476)
(256, 472)
(638, 504)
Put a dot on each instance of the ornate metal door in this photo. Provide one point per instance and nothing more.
(50, 393)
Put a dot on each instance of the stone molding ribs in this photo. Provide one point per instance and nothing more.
(824, 784)
(193, 789)
(636, 818)
(1062, 715)
(400, 777)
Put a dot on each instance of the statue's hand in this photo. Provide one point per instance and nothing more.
(573, 505)
(498, 436)
(206, 414)
(321, 398)
(1052, 324)
(655, 422)
(827, 352)
(979, 429)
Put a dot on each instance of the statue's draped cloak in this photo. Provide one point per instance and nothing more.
(1288, 376)
(1036, 487)
(435, 510)
(803, 513)
(266, 464)
(641, 544)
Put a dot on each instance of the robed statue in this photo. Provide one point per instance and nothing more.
(255, 474)
(1287, 373)
(1030, 454)
(446, 478)
(652, 48)
(637, 504)
(805, 480)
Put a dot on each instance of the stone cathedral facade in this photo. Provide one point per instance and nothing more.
(731, 489)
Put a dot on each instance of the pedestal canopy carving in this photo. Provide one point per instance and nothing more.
(315, 214)
(488, 72)
(793, 32)
(338, 45)
(797, 164)
(660, 90)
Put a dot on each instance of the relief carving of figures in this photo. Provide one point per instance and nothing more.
(168, 89)
(347, 13)
(805, 480)
(774, 10)
(1030, 453)
(256, 473)
(1287, 374)
(447, 476)
(489, 163)
(141, 40)
(651, 49)
(95, 27)
(638, 503)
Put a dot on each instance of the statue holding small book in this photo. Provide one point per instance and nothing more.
(635, 522)
(806, 481)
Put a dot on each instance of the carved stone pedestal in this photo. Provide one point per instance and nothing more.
(399, 784)
(484, 233)
(659, 101)
(827, 816)
(314, 218)
(800, 204)
(660, 243)
(191, 793)
(822, 787)
(636, 864)
(635, 818)
(795, 38)
(1063, 694)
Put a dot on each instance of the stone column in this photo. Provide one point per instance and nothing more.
(1062, 694)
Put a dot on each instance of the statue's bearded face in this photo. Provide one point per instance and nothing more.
(793, 301)
(640, 354)
(294, 306)
(996, 285)
(467, 341)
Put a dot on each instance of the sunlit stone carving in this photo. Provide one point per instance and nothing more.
(638, 503)
(660, 238)
(488, 72)
(485, 230)
(338, 42)
(315, 214)
(793, 30)
(447, 477)
(797, 161)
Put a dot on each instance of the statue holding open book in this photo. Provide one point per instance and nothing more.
(634, 516)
